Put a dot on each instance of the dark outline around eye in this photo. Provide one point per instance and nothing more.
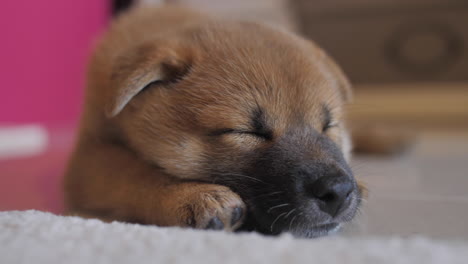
(328, 125)
(327, 119)
(226, 131)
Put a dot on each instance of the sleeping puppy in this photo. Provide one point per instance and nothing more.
(197, 122)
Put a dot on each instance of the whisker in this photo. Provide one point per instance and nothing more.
(243, 176)
(268, 194)
(290, 212)
(361, 199)
(292, 221)
(272, 224)
(277, 206)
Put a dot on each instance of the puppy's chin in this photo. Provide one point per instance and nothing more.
(304, 230)
(317, 231)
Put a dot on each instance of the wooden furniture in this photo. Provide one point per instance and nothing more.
(389, 41)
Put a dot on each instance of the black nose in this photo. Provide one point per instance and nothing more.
(331, 191)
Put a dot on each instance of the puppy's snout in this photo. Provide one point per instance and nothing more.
(331, 192)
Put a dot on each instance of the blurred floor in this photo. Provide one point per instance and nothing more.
(424, 191)
(35, 181)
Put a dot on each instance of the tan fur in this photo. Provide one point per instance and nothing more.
(138, 154)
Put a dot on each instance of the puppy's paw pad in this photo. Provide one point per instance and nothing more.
(215, 224)
(219, 209)
(236, 218)
(237, 215)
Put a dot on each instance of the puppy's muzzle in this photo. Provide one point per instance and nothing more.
(305, 188)
(312, 200)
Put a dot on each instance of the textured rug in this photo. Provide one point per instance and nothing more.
(37, 237)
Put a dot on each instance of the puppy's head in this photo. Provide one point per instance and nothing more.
(244, 106)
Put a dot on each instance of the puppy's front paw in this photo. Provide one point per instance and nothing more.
(210, 206)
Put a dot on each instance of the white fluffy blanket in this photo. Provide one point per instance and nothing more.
(37, 237)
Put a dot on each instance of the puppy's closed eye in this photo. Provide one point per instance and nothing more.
(327, 120)
(329, 125)
(230, 131)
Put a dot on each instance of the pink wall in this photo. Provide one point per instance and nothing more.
(44, 47)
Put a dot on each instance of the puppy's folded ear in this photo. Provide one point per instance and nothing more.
(151, 63)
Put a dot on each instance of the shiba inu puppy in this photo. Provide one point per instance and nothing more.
(198, 122)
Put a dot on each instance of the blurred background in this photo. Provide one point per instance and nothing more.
(407, 59)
